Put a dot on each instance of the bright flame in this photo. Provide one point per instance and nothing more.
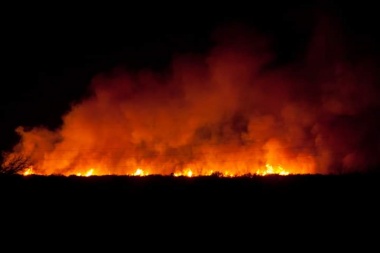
(28, 171)
(270, 171)
(90, 172)
(140, 172)
(185, 173)
(188, 173)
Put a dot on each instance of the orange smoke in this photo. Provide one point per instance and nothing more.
(226, 113)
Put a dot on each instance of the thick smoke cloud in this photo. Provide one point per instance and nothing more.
(231, 111)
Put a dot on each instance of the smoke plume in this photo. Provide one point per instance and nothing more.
(231, 111)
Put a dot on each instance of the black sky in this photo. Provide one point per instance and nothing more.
(52, 52)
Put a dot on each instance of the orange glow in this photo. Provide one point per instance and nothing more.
(272, 158)
(229, 113)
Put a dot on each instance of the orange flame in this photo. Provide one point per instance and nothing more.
(274, 160)
(140, 172)
(28, 171)
(270, 170)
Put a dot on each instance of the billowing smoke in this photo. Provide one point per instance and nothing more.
(232, 111)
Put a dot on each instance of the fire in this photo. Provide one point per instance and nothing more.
(28, 171)
(270, 170)
(88, 173)
(186, 173)
(225, 114)
(140, 172)
(274, 160)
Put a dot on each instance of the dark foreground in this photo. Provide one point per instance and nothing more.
(200, 209)
(158, 192)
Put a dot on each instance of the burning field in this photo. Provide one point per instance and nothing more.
(234, 111)
(255, 134)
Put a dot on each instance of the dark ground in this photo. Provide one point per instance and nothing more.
(127, 193)
(119, 212)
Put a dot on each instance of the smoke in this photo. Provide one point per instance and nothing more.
(231, 111)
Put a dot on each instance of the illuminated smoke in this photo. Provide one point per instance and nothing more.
(227, 112)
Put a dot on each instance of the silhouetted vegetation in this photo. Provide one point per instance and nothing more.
(13, 164)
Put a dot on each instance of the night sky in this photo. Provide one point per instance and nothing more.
(52, 55)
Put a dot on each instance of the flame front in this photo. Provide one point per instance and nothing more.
(187, 172)
(274, 160)
(270, 170)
